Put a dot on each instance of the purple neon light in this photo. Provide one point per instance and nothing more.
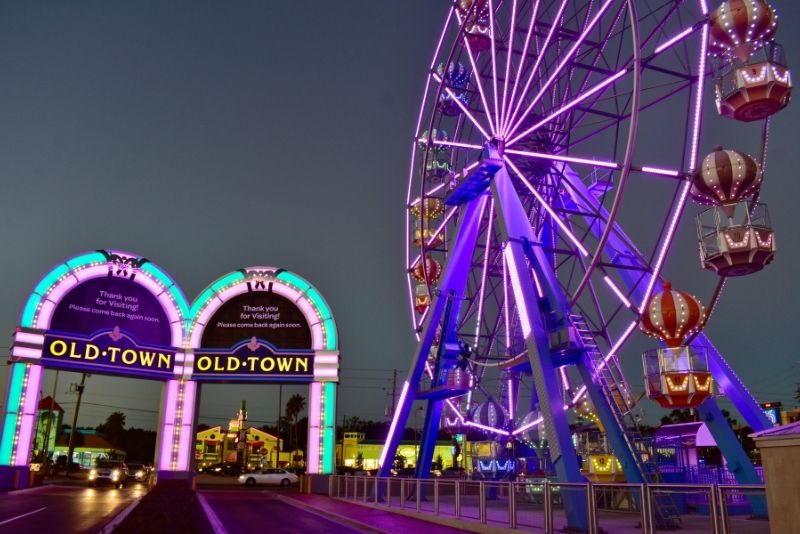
(611, 353)
(315, 410)
(494, 61)
(511, 398)
(395, 419)
(566, 58)
(488, 428)
(455, 410)
(660, 48)
(564, 379)
(684, 192)
(486, 249)
(620, 295)
(528, 426)
(567, 159)
(535, 68)
(167, 431)
(660, 171)
(507, 315)
(431, 192)
(563, 109)
(534, 11)
(546, 206)
(462, 106)
(519, 296)
(480, 86)
(457, 145)
(508, 61)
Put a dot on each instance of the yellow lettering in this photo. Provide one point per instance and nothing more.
(129, 356)
(92, 352)
(203, 363)
(231, 361)
(165, 359)
(72, 353)
(252, 360)
(301, 362)
(217, 366)
(146, 358)
(58, 348)
(284, 364)
(113, 351)
(271, 363)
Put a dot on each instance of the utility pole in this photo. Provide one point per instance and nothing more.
(394, 390)
(280, 401)
(71, 447)
(46, 444)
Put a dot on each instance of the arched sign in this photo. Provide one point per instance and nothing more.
(263, 324)
(116, 313)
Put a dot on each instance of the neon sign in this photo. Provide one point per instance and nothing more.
(256, 359)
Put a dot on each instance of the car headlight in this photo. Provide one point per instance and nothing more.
(140, 473)
(92, 474)
(115, 474)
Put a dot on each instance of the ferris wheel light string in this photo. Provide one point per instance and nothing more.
(509, 56)
(547, 208)
(433, 237)
(563, 109)
(505, 297)
(567, 159)
(668, 43)
(494, 62)
(560, 67)
(514, 87)
(528, 426)
(457, 144)
(535, 68)
(658, 170)
(519, 297)
(462, 106)
(684, 192)
(480, 86)
(487, 248)
(610, 283)
(488, 428)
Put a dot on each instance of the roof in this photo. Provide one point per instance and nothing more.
(792, 429)
(86, 441)
(696, 434)
(46, 403)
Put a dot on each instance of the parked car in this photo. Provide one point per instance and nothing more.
(112, 472)
(276, 477)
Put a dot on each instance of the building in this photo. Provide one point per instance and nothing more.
(355, 451)
(88, 447)
(261, 448)
(50, 410)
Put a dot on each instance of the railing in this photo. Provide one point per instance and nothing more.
(538, 506)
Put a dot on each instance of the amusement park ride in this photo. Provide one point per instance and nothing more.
(530, 267)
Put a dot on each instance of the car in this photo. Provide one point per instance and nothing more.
(139, 472)
(225, 469)
(112, 472)
(273, 476)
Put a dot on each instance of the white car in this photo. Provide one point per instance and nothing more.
(277, 477)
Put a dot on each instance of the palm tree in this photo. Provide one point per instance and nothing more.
(295, 405)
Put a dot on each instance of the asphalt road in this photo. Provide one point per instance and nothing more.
(65, 509)
(259, 510)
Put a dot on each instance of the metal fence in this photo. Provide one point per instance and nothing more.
(544, 506)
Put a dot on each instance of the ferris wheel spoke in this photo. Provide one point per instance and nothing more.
(566, 58)
(523, 54)
(486, 254)
(509, 57)
(463, 108)
(481, 92)
(567, 107)
(493, 49)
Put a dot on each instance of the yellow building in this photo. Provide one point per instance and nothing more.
(216, 445)
(353, 444)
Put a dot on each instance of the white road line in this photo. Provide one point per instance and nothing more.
(216, 524)
(21, 516)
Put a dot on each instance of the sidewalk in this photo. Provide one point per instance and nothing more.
(366, 517)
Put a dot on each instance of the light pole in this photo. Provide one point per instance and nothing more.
(71, 447)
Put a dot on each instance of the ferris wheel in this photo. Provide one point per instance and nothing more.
(557, 147)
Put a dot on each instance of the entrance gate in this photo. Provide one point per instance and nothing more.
(110, 312)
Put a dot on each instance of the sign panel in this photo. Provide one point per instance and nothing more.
(110, 352)
(258, 336)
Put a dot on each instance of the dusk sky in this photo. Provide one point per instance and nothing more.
(210, 136)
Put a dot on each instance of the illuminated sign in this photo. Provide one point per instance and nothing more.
(773, 412)
(111, 352)
(254, 360)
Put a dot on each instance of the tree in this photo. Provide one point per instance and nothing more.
(114, 428)
(797, 393)
(295, 405)
(679, 416)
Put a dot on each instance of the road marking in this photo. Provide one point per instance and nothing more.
(216, 524)
(21, 516)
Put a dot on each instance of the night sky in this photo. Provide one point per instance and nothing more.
(209, 136)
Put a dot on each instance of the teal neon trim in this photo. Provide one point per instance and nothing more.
(12, 410)
(330, 334)
(319, 302)
(86, 259)
(226, 280)
(327, 432)
(294, 280)
(169, 283)
(7, 444)
(180, 300)
(201, 301)
(50, 279)
(30, 310)
(158, 274)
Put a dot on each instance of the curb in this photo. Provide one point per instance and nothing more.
(120, 517)
(27, 490)
(213, 519)
(327, 514)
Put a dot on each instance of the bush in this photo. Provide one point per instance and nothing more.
(171, 506)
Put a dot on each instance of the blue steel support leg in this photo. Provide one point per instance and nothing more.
(738, 462)
(453, 282)
(516, 228)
